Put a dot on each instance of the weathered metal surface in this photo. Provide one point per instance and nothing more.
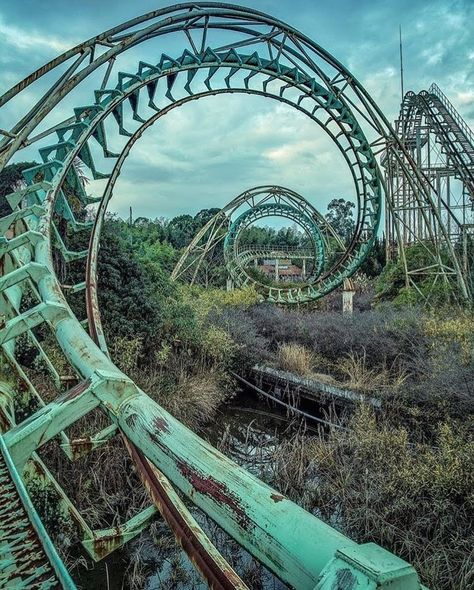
(312, 388)
(278, 533)
(213, 567)
(101, 543)
(289, 541)
(79, 447)
(295, 545)
(27, 556)
(24, 438)
(237, 261)
(369, 567)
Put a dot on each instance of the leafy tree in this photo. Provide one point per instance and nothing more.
(11, 178)
(182, 230)
(158, 255)
(128, 300)
(340, 216)
(268, 236)
(138, 300)
(205, 215)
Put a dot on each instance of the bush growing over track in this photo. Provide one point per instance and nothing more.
(395, 473)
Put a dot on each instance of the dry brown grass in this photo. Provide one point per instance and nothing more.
(358, 376)
(295, 358)
(414, 499)
(195, 399)
(292, 468)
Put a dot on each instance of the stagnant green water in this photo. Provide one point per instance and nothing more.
(248, 432)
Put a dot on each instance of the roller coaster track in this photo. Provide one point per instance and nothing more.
(427, 120)
(226, 228)
(237, 261)
(260, 56)
(276, 251)
(27, 556)
(456, 137)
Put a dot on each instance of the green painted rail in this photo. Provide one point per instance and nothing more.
(28, 558)
(266, 58)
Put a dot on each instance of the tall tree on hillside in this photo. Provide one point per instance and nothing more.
(181, 230)
(205, 215)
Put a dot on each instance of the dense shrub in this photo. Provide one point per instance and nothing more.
(385, 338)
(127, 298)
(275, 323)
(251, 347)
(415, 500)
(445, 389)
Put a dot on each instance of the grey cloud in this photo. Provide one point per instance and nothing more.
(206, 153)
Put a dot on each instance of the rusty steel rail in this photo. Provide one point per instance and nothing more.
(28, 558)
(214, 568)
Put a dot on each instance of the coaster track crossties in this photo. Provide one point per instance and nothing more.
(440, 145)
(204, 49)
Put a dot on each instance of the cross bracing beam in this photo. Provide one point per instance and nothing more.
(237, 262)
(440, 145)
(261, 202)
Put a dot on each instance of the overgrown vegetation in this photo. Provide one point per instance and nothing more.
(295, 358)
(375, 484)
(391, 285)
(402, 477)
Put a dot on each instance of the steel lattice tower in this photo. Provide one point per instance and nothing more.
(436, 140)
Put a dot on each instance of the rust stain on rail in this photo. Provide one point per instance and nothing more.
(217, 490)
(103, 546)
(75, 391)
(215, 570)
(277, 497)
(161, 424)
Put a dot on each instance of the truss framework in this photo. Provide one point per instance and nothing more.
(441, 146)
(220, 242)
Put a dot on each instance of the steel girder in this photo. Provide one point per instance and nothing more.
(441, 146)
(262, 201)
(28, 558)
(236, 262)
(285, 65)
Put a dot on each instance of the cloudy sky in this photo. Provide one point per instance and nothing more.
(207, 152)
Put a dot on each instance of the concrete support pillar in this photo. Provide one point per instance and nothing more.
(348, 296)
(277, 270)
